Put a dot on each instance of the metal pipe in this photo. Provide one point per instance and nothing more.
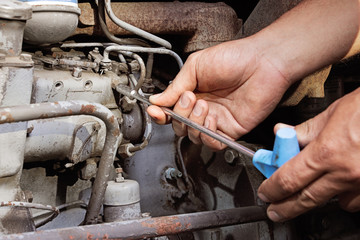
(151, 227)
(67, 108)
(134, 29)
(109, 35)
(141, 79)
(149, 65)
(143, 50)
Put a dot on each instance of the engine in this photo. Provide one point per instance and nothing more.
(81, 159)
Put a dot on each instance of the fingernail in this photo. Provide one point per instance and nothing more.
(197, 110)
(154, 97)
(274, 216)
(184, 101)
(262, 197)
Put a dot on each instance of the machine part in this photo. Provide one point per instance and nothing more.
(73, 214)
(134, 29)
(231, 156)
(141, 79)
(62, 86)
(122, 200)
(172, 173)
(16, 72)
(152, 227)
(112, 37)
(13, 16)
(58, 109)
(74, 138)
(89, 170)
(133, 126)
(45, 26)
(29, 205)
(236, 146)
(142, 50)
(203, 24)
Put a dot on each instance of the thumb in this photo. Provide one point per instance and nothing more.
(184, 81)
(309, 129)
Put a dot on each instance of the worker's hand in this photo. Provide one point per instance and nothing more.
(328, 166)
(229, 88)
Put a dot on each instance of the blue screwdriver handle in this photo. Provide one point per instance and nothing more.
(286, 146)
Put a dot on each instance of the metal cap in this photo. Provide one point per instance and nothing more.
(122, 193)
(15, 10)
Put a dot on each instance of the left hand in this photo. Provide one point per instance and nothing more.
(328, 166)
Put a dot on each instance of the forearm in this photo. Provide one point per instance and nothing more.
(311, 36)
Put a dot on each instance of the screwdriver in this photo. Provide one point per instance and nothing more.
(286, 145)
(230, 143)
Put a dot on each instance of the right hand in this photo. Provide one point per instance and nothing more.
(229, 88)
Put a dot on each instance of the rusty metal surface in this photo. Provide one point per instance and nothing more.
(205, 24)
(151, 227)
(265, 12)
(58, 109)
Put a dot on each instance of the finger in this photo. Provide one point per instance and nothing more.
(185, 80)
(198, 115)
(281, 125)
(210, 123)
(293, 176)
(183, 107)
(315, 194)
(350, 201)
(158, 115)
(310, 129)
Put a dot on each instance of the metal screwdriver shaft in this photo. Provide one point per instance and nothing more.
(230, 143)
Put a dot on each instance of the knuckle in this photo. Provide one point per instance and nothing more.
(309, 199)
(287, 184)
(325, 151)
(194, 136)
(211, 143)
(353, 175)
(179, 128)
(349, 207)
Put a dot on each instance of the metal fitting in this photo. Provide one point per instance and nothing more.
(127, 104)
(25, 57)
(231, 155)
(76, 72)
(119, 176)
(172, 173)
(124, 150)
